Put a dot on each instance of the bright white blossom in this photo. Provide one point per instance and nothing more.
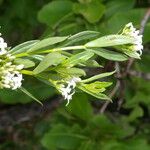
(68, 91)
(131, 31)
(10, 76)
(3, 46)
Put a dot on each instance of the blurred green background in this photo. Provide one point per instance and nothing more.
(125, 124)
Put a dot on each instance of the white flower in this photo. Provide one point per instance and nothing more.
(131, 31)
(12, 80)
(68, 91)
(16, 81)
(3, 46)
(10, 76)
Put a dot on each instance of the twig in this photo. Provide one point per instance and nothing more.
(144, 21)
(115, 89)
(131, 61)
(145, 76)
(113, 92)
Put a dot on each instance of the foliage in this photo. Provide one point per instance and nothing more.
(79, 126)
(85, 130)
(47, 59)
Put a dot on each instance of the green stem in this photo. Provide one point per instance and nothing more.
(52, 50)
(27, 72)
(65, 49)
(21, 55)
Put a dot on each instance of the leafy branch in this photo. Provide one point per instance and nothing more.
(61, 61)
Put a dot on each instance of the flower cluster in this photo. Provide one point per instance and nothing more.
(3, 46)
(137, 46)
(10, 76)
(68, 90)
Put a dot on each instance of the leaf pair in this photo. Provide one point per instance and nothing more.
(106, 41)
(96, 88)
(56, 58)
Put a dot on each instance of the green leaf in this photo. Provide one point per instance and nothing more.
(61, 137)
(136, 112)
(105, 126)
(84, 35)
(88, 145)
(46, 42)
(37, 57)
(92, 11)
(108, 54)
(97, 86)
(30, 95)
(143, 66)
(134, 15)
(23, 47)
(120, 6)
(97, 95)
(78, 58)
(88, 63)
(91, 63)
(62, 140)
(49, 60)
(71, 71)
(54, 11)
(137, 143)
(139, 94)
(98, 77)
(146, 38)
(110, 40)
(132, 54)
(40, 90)
(26, 62)
(80, 107)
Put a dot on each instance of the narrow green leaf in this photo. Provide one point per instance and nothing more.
(132, 54)
(97, 95)
(80, 37)
(23, 47)
(136, 112)
(97, 86)
(49, 60)
(110, 40)
(30, 95)
(91, 63)
(110, 55)
(78, 58)
(88, 63)
(26, 62)
(46, 42)
(71, 71)
(37, 57)
(98, 77)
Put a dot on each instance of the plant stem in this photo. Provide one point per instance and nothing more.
(27, 72)
(65, 49)
(21, 55)
(52, 50)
